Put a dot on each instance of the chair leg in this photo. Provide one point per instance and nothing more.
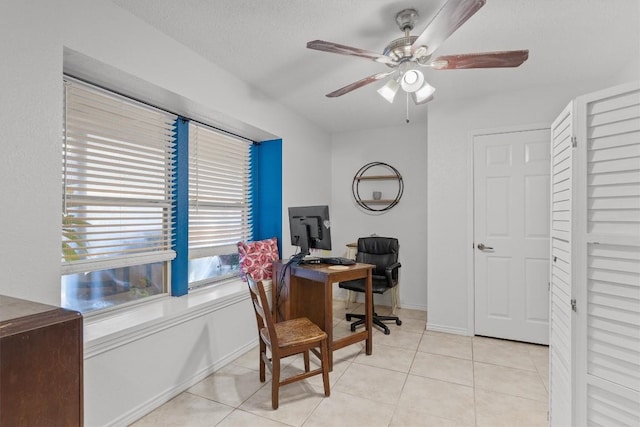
(357, 323)
(395, 300)
(390, 318)
(305, 356)
(275, 383)
(263, 354)
(324, 350)
(377, 320)
(352, 297)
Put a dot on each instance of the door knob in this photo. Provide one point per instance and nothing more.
(482, 247)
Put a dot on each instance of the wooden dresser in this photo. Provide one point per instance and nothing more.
(40, 365)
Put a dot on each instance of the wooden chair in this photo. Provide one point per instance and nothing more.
(285, 339)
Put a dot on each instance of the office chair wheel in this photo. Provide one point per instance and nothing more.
(387, 331)
(348, 317)
(398, 322)
(353, 328)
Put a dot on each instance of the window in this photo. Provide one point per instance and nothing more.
(119, 186)
(117, 179)
(219, 203)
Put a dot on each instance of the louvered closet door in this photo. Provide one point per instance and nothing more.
(560, 357)
(608, 277)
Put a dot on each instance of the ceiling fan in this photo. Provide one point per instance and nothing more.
(407, 54)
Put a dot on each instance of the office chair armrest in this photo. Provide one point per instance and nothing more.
(391, 272)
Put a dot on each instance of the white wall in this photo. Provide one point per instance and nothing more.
(31, 115)
(450, 296)
(405, 148)
(96, 37)
(125, 382)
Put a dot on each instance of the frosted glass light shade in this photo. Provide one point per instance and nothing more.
(424, 94)
(412, 80)
(389, 90)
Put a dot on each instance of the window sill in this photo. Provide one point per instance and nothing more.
(114, 329)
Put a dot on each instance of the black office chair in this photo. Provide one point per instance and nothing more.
(383, 253)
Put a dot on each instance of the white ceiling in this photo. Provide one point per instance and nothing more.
(264, 44)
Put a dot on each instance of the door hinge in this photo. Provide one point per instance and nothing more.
(549, 285)
(574, 141)
(574, 305)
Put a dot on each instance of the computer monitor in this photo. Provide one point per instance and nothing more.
(310, 228)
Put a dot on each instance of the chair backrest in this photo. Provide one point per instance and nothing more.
(379, 251)
(261, 308)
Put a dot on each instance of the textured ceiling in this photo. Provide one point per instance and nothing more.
(264, 44)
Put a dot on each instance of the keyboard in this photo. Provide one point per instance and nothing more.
(337, 261)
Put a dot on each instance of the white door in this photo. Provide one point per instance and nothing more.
(561, 314)
(511, 235)
(607, 270)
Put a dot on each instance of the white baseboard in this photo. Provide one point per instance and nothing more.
(448, 329)
(421, 307)
(382, 300)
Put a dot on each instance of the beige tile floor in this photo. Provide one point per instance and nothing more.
(414, 378)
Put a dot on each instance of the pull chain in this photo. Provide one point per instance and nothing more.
(407, 119)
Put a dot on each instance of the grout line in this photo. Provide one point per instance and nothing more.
(473, 372)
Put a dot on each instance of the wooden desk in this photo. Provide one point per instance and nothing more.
(307, 290)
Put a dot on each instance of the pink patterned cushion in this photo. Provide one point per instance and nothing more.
(256, 257)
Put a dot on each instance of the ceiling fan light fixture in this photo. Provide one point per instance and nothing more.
(412, 80)
(389, 90)
(424, 94)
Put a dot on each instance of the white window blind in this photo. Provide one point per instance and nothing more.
(117, 181)
(219, 192)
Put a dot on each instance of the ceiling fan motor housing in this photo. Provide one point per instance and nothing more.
(406, 19)
(399, 49)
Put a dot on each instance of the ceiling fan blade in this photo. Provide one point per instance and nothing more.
(348, 50)
(449, 18)
(510, 58)
(359, 84)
